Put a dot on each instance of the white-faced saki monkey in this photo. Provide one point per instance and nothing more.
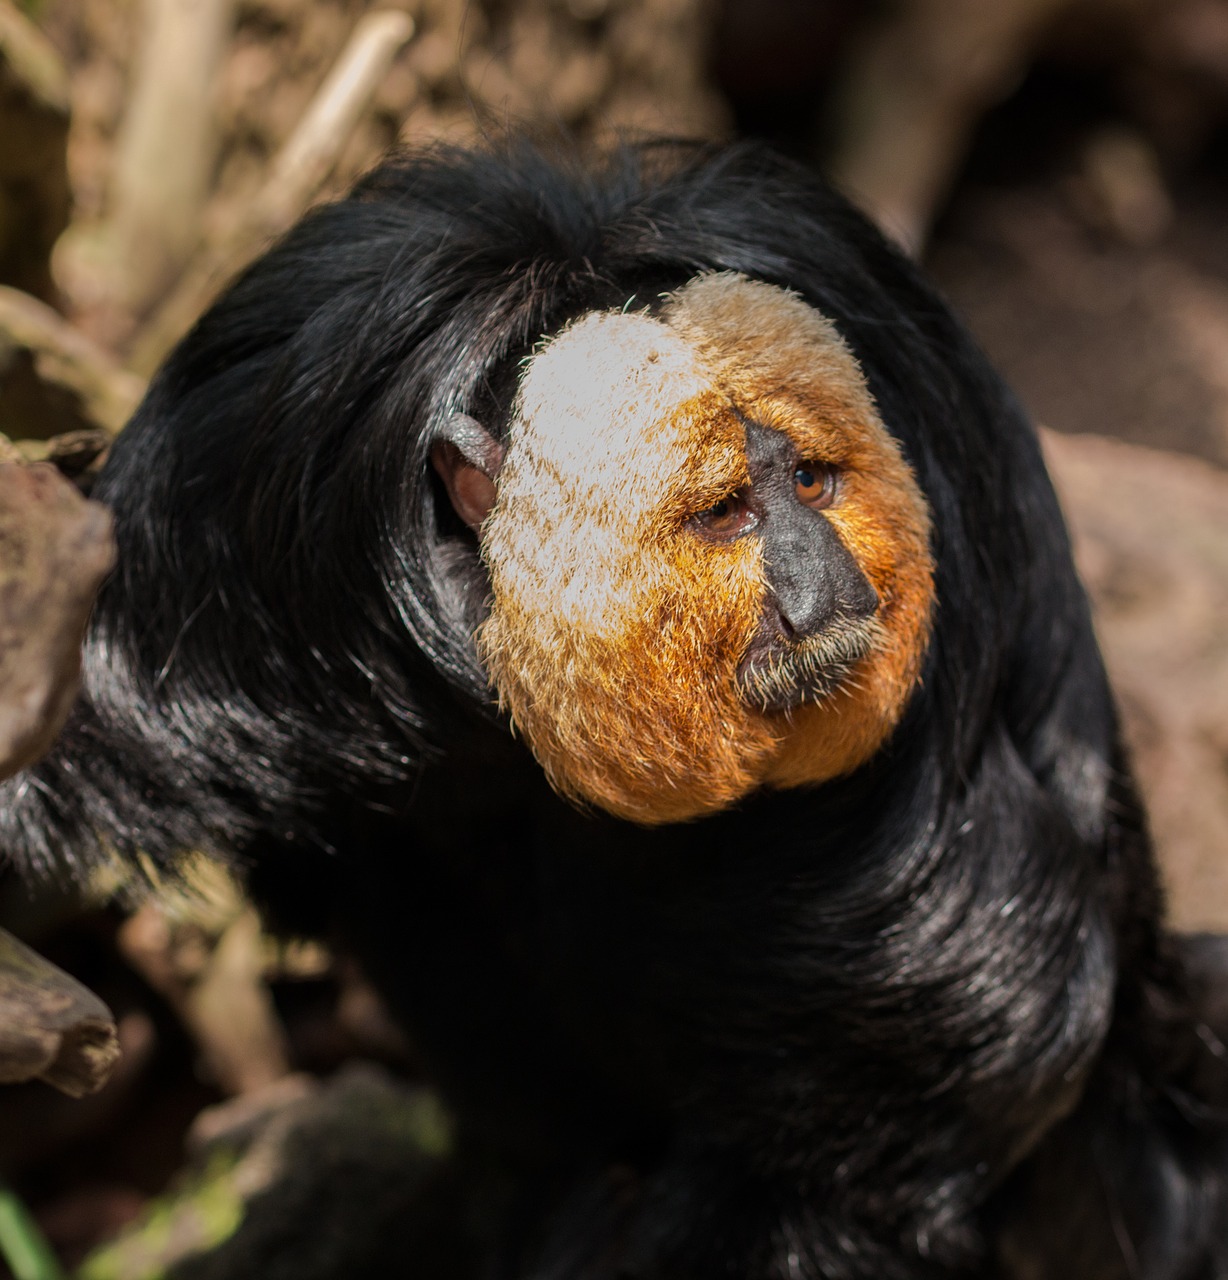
(616, 600)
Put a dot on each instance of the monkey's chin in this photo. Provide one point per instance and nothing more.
(782, 676)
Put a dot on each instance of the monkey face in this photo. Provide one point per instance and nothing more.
(708, 560)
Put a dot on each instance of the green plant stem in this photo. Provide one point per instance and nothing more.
(22, 1244)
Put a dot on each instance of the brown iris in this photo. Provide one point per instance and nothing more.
(728, 518)
(814, 484)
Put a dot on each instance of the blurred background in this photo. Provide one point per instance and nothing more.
(1059, 166)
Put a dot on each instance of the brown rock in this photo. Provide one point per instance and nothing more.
(1151, 539)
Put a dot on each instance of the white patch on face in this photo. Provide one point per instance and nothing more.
(593, 445)
(616, 632)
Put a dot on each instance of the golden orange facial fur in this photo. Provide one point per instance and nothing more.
(616, 631)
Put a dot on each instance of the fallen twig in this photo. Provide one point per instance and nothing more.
(906, 105)
(34, 194)
(51, 1027)
(303, 164)
(66, 358)
(32, 58)
(166, 147)
(298, 172)
(55, 549)
(216, 985)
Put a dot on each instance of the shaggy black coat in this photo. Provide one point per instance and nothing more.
(917, 1022)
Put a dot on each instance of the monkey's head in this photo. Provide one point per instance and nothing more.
(755, 513)
(709, 562)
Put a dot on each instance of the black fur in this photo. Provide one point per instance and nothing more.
(919, 1022)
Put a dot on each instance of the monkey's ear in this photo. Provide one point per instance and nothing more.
(467, 458)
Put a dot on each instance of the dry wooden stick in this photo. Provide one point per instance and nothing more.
(215, 983)
(299, 170)
(303, 164)
(34, 191)
(906, 104)
(64, 357)
(165, 152)
(32, 58)
(51, 1027)
(55, 550)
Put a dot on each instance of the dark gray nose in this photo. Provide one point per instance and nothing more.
(813, 577)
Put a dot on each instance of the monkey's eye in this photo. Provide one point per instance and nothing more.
(815, 484)
(727, 519)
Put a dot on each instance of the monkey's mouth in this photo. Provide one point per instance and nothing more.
(785, 674)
